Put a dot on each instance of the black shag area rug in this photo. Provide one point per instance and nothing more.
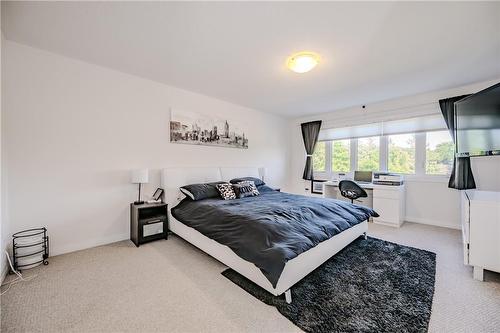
(370, 286)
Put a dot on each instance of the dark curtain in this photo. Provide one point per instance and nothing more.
(310, 132)
(461, 175)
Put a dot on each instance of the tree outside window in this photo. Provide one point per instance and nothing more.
(319, 158)
(439, 153)
(401, 158)
(341, 155)
(369, 154)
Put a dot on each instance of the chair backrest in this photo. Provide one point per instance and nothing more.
(351, 190)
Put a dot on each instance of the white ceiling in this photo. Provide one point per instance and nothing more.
(236, 51)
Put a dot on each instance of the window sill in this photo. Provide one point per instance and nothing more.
(427, 178)
(407, 178)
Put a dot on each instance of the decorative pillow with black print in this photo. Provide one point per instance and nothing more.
(226, 191)
(245, 189)
(258, 182)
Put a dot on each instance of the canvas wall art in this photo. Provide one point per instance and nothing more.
(194, 128)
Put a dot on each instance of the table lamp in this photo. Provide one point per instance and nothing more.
(262, 173)
(140, 176)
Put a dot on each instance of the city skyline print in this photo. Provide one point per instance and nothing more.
(198, 129)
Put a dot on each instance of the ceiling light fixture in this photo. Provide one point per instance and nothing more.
(302, 62)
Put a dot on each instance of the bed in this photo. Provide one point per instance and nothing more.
(277, 268)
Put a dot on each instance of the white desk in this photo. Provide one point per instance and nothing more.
(388, 201)
(331, 190)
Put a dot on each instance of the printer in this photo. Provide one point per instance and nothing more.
(385, 178)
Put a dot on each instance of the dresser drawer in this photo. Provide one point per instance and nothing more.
(387, 193)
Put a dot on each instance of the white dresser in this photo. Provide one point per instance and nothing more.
(481, 230)
(388, 201)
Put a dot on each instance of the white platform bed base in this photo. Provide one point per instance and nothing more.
(295, 269)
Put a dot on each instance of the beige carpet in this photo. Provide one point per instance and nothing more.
(170, 286)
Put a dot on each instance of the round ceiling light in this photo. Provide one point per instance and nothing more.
(302, 62)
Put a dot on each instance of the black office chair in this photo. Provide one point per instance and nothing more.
(351, 190)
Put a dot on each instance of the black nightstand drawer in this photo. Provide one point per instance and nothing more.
(152, 230)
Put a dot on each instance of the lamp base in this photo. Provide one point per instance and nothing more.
(138, 202)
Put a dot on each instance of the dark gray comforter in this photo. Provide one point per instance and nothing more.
(272, 228)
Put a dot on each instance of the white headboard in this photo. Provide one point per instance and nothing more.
(173, 178)
(230, 173)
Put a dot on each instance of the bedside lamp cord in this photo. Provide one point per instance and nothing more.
(17, 279)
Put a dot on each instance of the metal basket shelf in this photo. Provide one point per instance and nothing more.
(44, 247)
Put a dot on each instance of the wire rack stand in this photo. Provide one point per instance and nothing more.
(23, 249)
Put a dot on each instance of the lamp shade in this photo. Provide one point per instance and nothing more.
(262, 173)
(140, 176)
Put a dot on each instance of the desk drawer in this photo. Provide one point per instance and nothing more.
(391, 193)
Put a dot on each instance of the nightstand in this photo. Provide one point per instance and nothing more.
(148, 222)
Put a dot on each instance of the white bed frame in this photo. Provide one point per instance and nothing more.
(295, 269)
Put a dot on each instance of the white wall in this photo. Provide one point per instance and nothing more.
(72, 131)
(428, 200)
(3, 242)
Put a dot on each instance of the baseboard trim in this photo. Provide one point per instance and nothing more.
(57, 250)
(54, 251)
(432, 222)
(5, 269)
(3, 260)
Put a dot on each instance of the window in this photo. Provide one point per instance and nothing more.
(369, 154)
(341, 155)
(439, 151)
(401, 153)
(417, 146)
(319, 158)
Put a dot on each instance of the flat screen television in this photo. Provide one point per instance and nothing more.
(477, 130)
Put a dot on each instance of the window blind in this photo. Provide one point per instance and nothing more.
(409, 125)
